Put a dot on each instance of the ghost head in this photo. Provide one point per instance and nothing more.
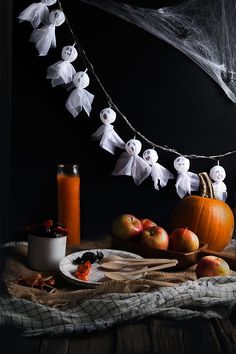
(217, 173)
(150, 156)
(69, 53)
(48, 2)
(81, 79)
(133, 147)
(56, 17)
(181, 164)
(107, 116)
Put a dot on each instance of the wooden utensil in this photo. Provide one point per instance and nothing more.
(125, 275)
(122, 277)
(114, 258)
(125, 264)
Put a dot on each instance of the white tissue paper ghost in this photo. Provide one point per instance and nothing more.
(63, 71)
(45, 37)
(217, 174)
(109, 139)
(36, 13)
(130, 164)
(160, 175)
(80, 98)
(186, 181)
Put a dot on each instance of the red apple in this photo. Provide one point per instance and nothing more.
(147, 223)
(212, 266)
(126, 226)
(183, 240)
(155, 237)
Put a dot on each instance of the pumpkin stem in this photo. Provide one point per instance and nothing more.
(205, 188)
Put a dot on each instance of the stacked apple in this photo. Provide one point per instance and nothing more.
(147, 232)
(129, 227)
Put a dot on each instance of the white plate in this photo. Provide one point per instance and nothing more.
(96, 276)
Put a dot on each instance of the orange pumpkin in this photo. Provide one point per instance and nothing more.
(212, 220)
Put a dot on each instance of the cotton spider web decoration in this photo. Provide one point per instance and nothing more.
(204, 30)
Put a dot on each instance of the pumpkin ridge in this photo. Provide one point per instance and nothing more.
(200, 214)
(216, 221)
(219, 214)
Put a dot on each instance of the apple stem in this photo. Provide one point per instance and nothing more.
(205, 188)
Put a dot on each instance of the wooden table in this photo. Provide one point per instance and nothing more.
(151, 335)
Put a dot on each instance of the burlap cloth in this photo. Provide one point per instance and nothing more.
(14, 267)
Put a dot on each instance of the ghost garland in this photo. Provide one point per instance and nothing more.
(186, 181)
(130, 163)
(45, 37)
(36, 13)
(160, 175)
(80, 98)
(109, 139)
(218, 174)
(62, 72)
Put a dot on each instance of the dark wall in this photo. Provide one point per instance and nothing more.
(164, 95)
(5, 116)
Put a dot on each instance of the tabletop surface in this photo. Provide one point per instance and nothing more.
(150, 335)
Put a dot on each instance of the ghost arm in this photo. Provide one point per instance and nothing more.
(194, 181)
(224, 196)
(160, 174)
(44, 38)
(73, 103)
(115, 139)
(109, 139)
(60, 72)
(183, 185)
(98, 133)
(34, 13)
(140, 170)
(123, 165)
(220, 190)
(78, 99)
(133, 166)
(186, 183)
(86, 100)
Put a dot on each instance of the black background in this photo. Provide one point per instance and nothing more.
(164, 94)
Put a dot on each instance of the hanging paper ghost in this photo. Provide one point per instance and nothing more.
(36, 13)
(109, 139)
(80, 98)
(217, 174)
(45, 37)
(186, 181)
(130, 164)
(63, 71)
(160, 175)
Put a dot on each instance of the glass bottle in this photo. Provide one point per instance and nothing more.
(68, 201)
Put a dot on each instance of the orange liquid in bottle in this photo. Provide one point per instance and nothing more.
(68, 190)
